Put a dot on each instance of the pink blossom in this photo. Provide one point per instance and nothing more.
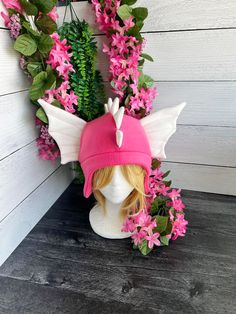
(6, 19)
(162, 189)
(128, 225)
(174, 194)
(138, 237)
(153, 239)
(53, 14)
(179, 226)
(13, 4)
(47, 146)
(177, 204)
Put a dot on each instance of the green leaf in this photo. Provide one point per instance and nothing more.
(147, 57)
(164, 240)
(155, 163)
(135, 32)
(34, 68)
(28, 27)
(144, 249)
(167, 183)
(128, 2)
(37, 89)
(30, 9)
(25, 44)
(124, 12)
(45, 43)
(166, 174)
(44, 6)
(46, 24)
(162, 222)
(140, 13)
(42, 115)
(139, 24)
(145, 81)
(42, 82)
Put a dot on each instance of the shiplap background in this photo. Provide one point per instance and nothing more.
(194, 47)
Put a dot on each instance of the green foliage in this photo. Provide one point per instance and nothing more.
(129, 2)
(25, 44)
(30, 9)
(34, 68)
(140, 13)
(162, 222)
(86, 81)
(45, 43)
(124, 12)
(144, 249)
(46, 24)
(41, 82)
(145, 81)
(42, 115)
(44, 6)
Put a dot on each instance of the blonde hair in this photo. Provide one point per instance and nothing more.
(135, 175)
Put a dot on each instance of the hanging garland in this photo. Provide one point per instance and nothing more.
(60, 64)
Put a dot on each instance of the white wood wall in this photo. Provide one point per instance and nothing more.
(193, 43)
(28, 185)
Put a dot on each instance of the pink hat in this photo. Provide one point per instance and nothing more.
(112, 139)
(99, 147)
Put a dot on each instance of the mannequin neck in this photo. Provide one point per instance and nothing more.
(112, 210)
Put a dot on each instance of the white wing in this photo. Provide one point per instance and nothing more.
(66, 129)
(159, 127)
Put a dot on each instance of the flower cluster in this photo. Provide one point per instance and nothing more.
(13, 23)
(163, 217)
(124, 53)
(61, 94)
(47, 148)
(59, 58)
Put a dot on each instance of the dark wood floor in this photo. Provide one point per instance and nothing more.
(63, 267)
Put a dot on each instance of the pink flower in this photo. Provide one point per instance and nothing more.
(6, 19)
(179, 226)
(53, 14)
(153, 239)
(13, 4)
(177, 204)
(138, 237)
(128, 225)
(162, 189)
(174, 194)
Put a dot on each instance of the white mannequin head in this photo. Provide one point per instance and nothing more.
(120, 184)
(118, 189)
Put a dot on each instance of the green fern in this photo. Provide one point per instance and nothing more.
(86, 81)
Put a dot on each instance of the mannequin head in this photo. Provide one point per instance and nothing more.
(123, 185)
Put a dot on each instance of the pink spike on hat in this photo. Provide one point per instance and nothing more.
(106, 142)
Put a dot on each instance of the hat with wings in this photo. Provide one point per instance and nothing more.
(112, 139)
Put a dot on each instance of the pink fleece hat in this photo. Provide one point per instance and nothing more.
(99, 148)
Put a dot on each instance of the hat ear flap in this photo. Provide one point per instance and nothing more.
(66, 130)
(159, 127)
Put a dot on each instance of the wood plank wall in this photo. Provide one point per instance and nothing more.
(193, 43)
(28, 185)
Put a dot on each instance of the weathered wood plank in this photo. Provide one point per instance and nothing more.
(202, 178)
(203, 145)
(186, 56)
(12, 78)
(30, 210)
(24, 164)
(17, 121)
(194, 274)
(208, 103)
(17, 296)
(164, 15)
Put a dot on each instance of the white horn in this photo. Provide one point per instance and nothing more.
(115, 106)
(118, 117)
(119, 138)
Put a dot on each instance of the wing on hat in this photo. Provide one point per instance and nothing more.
(159, 127)
(66, 129)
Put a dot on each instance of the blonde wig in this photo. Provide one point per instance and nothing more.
(135, 175)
